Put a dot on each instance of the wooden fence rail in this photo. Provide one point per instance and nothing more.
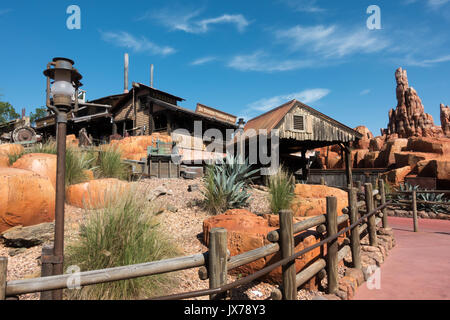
(216, 263)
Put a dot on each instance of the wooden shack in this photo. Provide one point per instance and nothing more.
(302, 128)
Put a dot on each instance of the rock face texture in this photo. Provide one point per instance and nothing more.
(40, 163)
(409, 118)
(26, 198)
(445, 120)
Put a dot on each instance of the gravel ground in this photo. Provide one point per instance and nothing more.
(182, 220)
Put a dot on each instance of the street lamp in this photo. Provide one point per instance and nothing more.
(64, 88)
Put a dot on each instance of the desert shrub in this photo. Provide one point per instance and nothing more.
(48, 147)
(281, 190)
(226, 185)
(109, 164)
(13, 157)
(76, 164)
(125, 232)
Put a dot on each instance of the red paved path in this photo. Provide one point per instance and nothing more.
(418, 267)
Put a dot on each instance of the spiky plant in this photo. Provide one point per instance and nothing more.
(281, 190)
(226, 185)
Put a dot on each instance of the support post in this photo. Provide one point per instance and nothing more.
(348, 165)
(332, 247)
(3, 274)
(46, 268)
(217, 261)
(354, 237)
(287, 250)
(322, 181)
(58, 249)
(383, 201)
(414, 209)
(371, 220)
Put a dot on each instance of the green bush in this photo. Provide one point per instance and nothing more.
(125, 232)
(226, 185)
(281, 190)
(76, 164)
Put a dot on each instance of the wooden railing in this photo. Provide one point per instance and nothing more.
(413, 202)
(216, 263)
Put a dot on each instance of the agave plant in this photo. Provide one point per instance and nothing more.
(226, 185)
(434, 197)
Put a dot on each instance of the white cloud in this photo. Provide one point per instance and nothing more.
(260, 61)
(139, 45)
(332, 41)
(364, 92)
(432, 4)
(409, 60)
(4, 11)
(309, 6)
(305, 96)
(184, 20)
(201, 61)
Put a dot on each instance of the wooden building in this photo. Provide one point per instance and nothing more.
(302, 128)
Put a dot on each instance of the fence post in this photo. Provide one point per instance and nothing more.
(414, 209)
(354, 237)
(217, 261)
(383, 201)
(322, 181)
(3, 274)
(46, 268)
(332, 247)
(371, 224)
(287, 250)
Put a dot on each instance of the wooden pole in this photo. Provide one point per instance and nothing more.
(414, 209)
(371, 220)
(217, 261)
(354, 237)
(3, 274)
(322, 181)
(348, 165)
(332, 248)
(287, 250)
(46, 268)
(383, 201)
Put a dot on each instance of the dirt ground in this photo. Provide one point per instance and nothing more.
(182, 220)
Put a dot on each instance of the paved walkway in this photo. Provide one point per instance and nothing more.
(418, 267)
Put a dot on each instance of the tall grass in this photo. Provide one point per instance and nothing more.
(125, 232)
(76, 165)
(110, 165)
(281, 190)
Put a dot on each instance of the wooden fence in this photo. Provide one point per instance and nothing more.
(216, 263)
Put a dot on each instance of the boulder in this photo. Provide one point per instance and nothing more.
(439, 146)
(310, 200)
(27, 237)
(364, 142)
(386, 157)
(4, 161)
(11, 148)
(376, 144)
(247, 231)
(72, 141)
(26, 198)
(41, 163)
(94, 194)
(135, 148)
(408, 158)
(370, 159)
(397, 176)
(445, 120)
(437, 168)
(358, 157)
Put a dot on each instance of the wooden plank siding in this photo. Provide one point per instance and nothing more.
(315, 128)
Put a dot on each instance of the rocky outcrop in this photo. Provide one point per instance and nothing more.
(364, 142)
(26, 198)
(27, 237)
(10, 149)
(445, 120)
(135, 148)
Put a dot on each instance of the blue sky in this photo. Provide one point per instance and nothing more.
(243, 57)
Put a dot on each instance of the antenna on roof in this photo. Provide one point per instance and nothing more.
(125, 80)
(151, 75)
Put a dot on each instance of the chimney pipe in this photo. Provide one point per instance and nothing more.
(125, 83)
(151, 76)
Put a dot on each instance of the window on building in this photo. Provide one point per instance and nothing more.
(299, 123)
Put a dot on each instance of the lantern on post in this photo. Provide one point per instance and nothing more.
(64, 98)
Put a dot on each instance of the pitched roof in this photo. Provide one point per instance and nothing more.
(272, 118)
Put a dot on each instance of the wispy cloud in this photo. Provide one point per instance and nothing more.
(364, 92)
(309, 6)
(305, 96)
(411, 61)
(332, 41)
(4, 11)
(432, 4)
(139, 45)
(189, 22)
(201, 61)
(263, 62)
